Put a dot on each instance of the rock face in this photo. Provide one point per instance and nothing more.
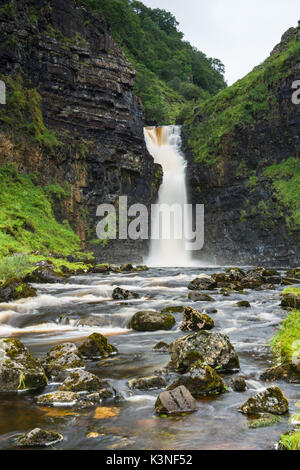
(201, 380)
(271, 401)
(213, 348)
(18, 369)
(176, 401)
(240, 200)
(39, 438)
(152, 321)
(95, 346)
(61, 357)
(147, 383)
(195, 321)
(65, 52)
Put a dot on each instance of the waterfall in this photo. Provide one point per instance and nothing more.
(164, 144)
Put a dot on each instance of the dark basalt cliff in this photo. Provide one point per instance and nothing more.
(249, 178)
(66, 53)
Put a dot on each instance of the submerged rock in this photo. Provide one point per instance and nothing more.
(266, 420)
(14, 289)
(175, 401)
(58, 399)
(195, 321)
(203, 283)
(201, 380)
(173, 309)
(95, 346)
(161, 347)
(39, 438)
(123, 294)
(152, 321)
(200, 297)
(83, 381)
(244, 303)
(18, 369)
(271, 401)
(212, 348)
(239, 384)
(147, 383)
(61, 357)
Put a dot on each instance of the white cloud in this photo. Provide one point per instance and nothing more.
(241, 33)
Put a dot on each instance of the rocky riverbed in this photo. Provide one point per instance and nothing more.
(196, 334)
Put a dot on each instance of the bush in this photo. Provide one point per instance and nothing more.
(14, 266)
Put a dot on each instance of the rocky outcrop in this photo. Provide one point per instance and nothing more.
(64, 52)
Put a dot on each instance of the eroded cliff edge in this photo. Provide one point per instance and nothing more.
(243, 148)
(88, 134)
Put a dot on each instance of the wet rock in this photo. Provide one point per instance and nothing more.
(43, 275)
(200, 297)
(213, 348)
(62, 357)
(161, 347)
(211, 311)
(196, 321)
(39, 438)
(201, 380)
(266, 420)
(141, 268)
(58, 399)
(123, 294)
(18, 369)
(95, 346)
(291, 301)
(126, 268)
(100, 321)
(147, 383)
(244, 303)
(235, 274)
(175, 401)
(83, 381)
(115, 269)
(152, 321)
(289, 372)
(295, 273)
(203, 283)
(14, 289)
(239, 384)
(271, 401)
(101, 269)
(173, 309)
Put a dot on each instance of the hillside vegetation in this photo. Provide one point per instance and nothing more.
(171, 74)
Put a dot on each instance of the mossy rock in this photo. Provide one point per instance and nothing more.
(266, 420)
(201, 380)
(123, 294)
(291, 301)
(243, 304)
(203, 283)
(58, 399)
(196, 296)
(161, 347)
(270, 401)
(62, 357)
(83, 381)
(14, 289)
(196, 321)
(44, 275)
(295, 273)
(147, 383)
(239, 384)
(39, 438)
(103, 268)
(288, 372)
(126, 268)
(95, 346)
(152, 321)
(173, 309)
(18, 369)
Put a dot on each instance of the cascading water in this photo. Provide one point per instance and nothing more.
(164, 144)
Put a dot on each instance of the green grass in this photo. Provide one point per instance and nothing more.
(292, 290)
(27, 222)
(14, 266)
(214, 123)
(290, 441)
(283, 343)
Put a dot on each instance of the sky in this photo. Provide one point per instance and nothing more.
(241, 33)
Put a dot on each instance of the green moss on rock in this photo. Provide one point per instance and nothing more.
(95, 346)
(152, 321)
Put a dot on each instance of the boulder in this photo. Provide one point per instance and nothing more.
(239, 384)
(58, 399)
(235, 274)
(61, 357)
(264, 421)
(271, 401)
(152, 321)
(200, 297)
(196, 321)
(95, 346)
(44, 275)
(201, 380)
(203, 283)
(175, 401)
(126, 268)
(244, 304)
(214, 349)
(147, 383)
(291, 301)
(18, 369)
(83, 381)
(14, 289)
(161, 347)
(101, 269)
(123, 294)
(39, 438)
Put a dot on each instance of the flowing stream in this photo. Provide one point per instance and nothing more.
(53, 317)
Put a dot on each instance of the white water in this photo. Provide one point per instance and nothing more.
(164, 144)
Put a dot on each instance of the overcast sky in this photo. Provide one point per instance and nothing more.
(241, 33)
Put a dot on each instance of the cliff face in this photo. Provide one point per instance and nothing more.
(90, 131)
(243, 149)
